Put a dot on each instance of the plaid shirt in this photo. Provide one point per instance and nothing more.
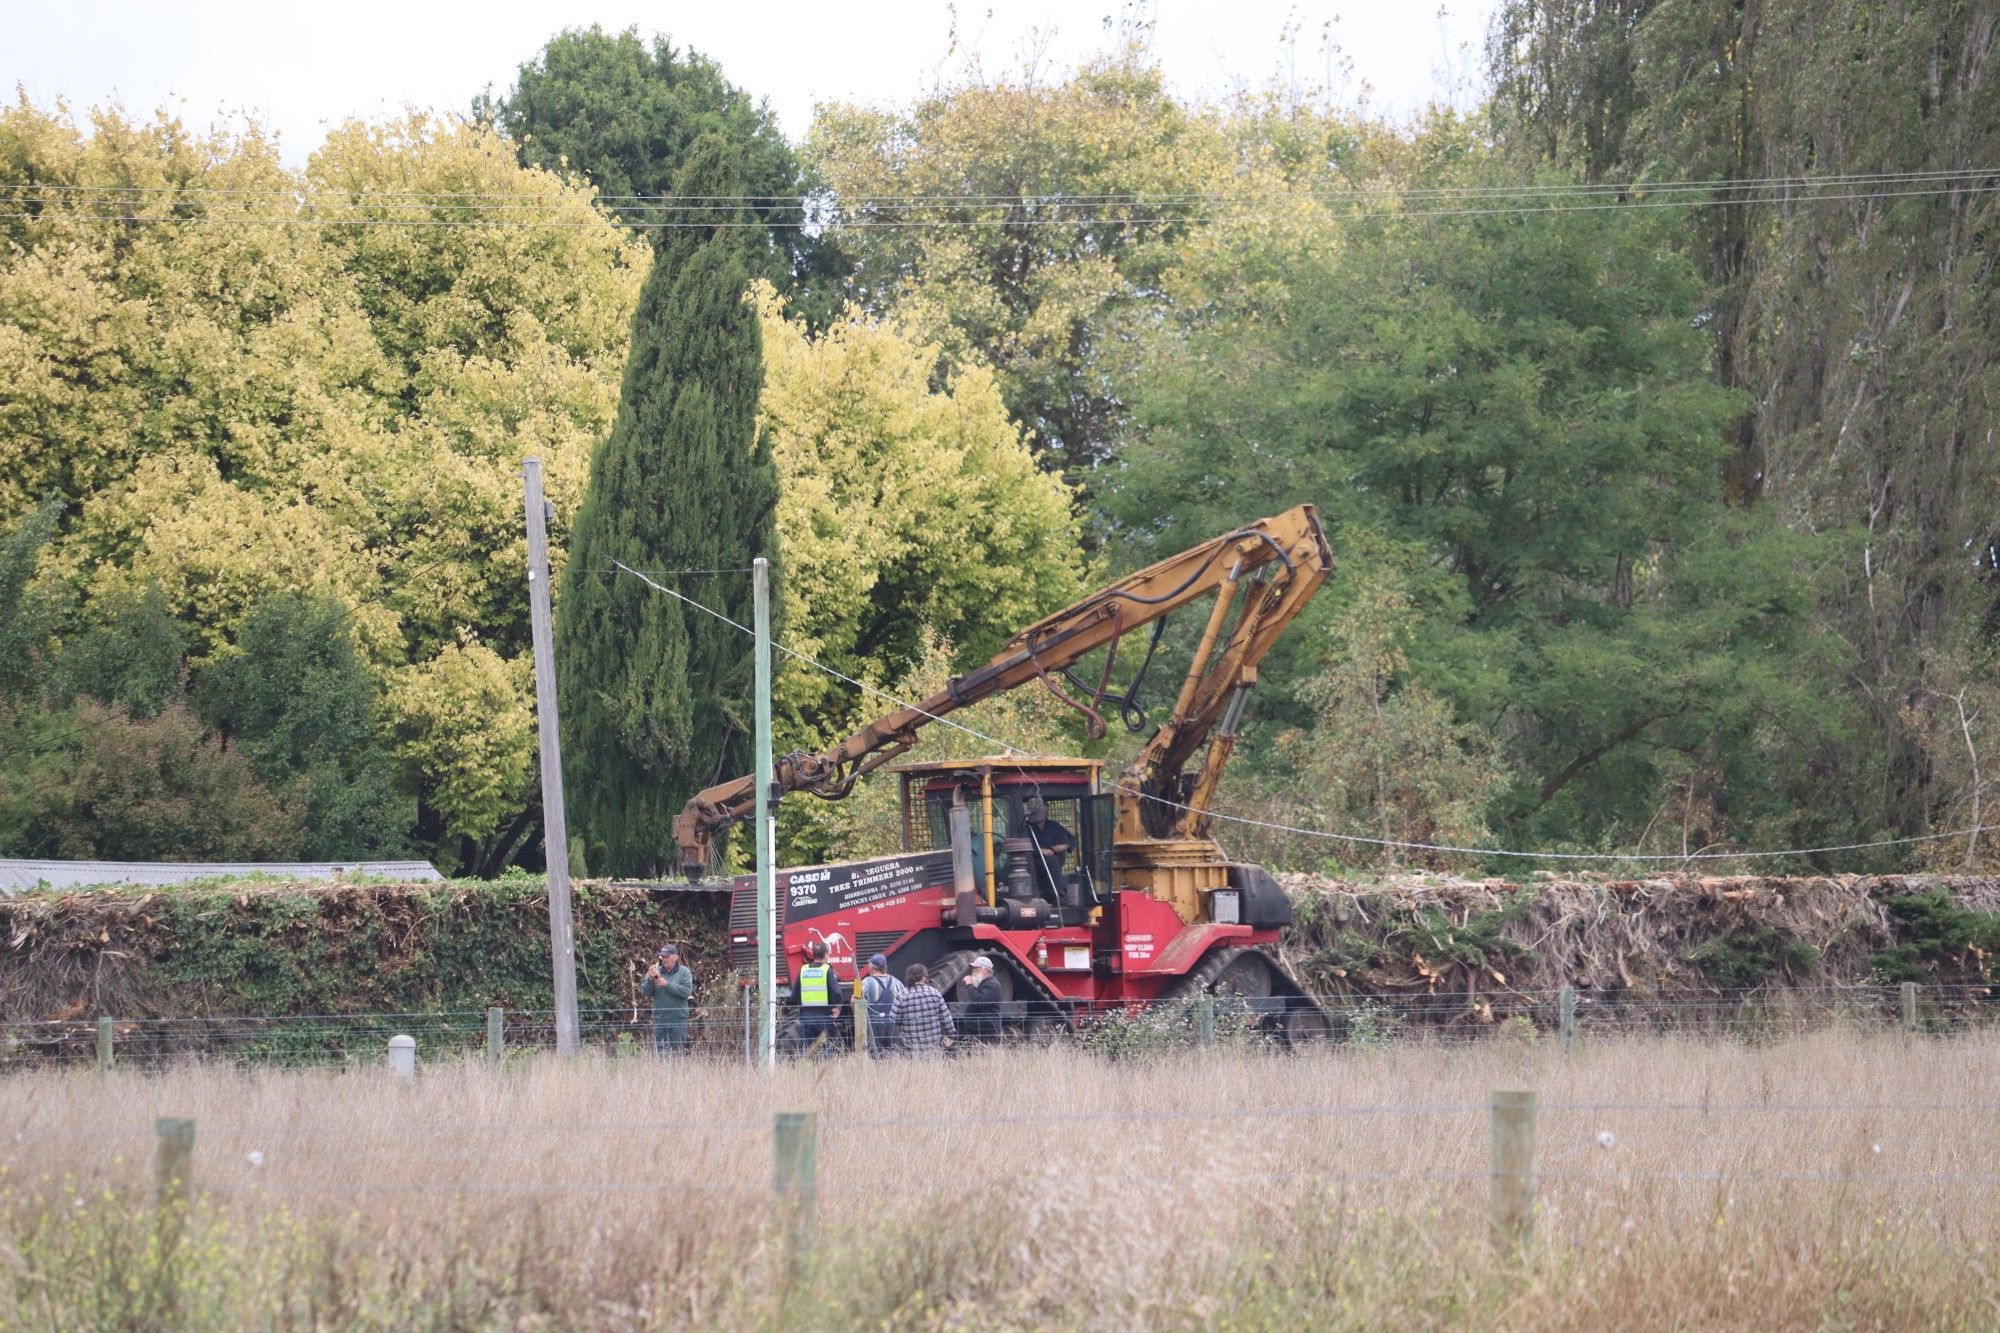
(921, 1019)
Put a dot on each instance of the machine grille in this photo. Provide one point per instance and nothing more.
(743, 925)
(868, 943)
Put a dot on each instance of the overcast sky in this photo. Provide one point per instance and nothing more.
(302, 66)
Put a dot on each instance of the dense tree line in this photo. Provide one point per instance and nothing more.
(1660, 524)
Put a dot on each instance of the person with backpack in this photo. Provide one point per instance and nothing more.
(881, 990)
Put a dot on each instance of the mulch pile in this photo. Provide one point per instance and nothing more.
(1598, 935)
(358, 948)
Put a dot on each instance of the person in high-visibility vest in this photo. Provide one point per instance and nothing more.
(821, 995)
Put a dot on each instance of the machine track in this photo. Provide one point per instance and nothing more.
(1283, 1008)
(949, 970)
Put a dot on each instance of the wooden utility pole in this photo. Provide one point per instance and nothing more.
(766, 826)
(555, 828)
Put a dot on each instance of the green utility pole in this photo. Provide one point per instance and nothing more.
(766, 826)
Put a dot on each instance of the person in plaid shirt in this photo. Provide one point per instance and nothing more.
(923, 1024)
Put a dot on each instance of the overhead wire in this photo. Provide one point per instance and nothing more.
(863, 211)
(1015, 751)
(518, 199)
(906, 224)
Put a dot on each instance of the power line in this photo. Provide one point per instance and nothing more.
(1016, 751)
(1524, 209)
(1527, 201)
(1058, 199)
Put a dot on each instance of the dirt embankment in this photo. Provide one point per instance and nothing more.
(290, 949)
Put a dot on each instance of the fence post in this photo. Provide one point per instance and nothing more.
(1909, 1006)
(1513, 1168)
(1204, 1019)
(173, 1160)
(749, 1027)
(794, 1171)
(403, 1056)
(860, 1020)
(496, 1036)
(1567, 999)
(103, 1045)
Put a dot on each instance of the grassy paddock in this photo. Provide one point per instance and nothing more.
(632, 1195)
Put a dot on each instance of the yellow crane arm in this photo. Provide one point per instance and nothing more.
(1283, 560)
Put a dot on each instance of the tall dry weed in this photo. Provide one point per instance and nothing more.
(1838, 1181)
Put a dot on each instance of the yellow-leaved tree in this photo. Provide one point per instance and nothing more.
(913, 517)
(244, 380)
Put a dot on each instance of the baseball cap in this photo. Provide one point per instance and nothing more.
(983, 961)
(880, 960)
(669, 951)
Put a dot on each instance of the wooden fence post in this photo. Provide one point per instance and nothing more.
(794, 1172)
(103, 1045)
(1513, 1169)
(1567, 999)
(496, 1037)
(1909, 1006)
(1204, 1019)
(860, 1020)
(173, 1160)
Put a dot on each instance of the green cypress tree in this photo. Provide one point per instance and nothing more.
(654, 692)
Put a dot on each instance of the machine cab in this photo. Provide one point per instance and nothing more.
(1013, 858)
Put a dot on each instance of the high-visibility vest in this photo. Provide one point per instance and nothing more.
(813, 983)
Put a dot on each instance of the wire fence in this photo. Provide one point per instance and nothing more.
(1564, 1144)
(730, 1032)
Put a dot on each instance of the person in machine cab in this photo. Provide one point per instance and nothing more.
(982, 1001)
(1052, 844)
(821, 996)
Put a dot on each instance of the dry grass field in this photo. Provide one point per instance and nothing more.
(1839, 1181)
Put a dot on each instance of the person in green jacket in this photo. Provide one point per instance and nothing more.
(668, 984)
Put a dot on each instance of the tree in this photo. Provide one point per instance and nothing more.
(160, 789)
(24, 622)
(295, 695)
(654, 691)
(1025, 261)
(230, 404)
(627, 116)
(132, 659)
(910, 511)
(1860, 316)
(1523, 406)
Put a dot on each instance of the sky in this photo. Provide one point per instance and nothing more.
(302, 67)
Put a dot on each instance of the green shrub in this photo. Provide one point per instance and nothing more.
(1746, 957)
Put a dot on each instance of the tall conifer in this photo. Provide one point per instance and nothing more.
(654, 692)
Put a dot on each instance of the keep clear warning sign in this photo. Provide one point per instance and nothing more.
(1139, 948)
